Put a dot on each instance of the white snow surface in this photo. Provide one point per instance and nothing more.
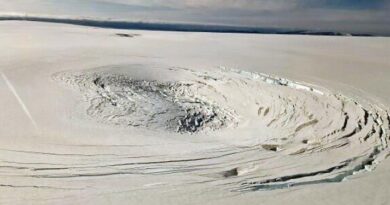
(149, 117)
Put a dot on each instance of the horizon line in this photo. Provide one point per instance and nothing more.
(178, 27)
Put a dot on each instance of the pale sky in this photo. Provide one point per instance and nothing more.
(363, 16)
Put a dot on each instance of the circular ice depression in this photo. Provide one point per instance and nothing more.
(303, 134)
(171, 106)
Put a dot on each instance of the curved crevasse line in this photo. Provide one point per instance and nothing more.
(283, 182)
(301, 121)
(367, 165)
